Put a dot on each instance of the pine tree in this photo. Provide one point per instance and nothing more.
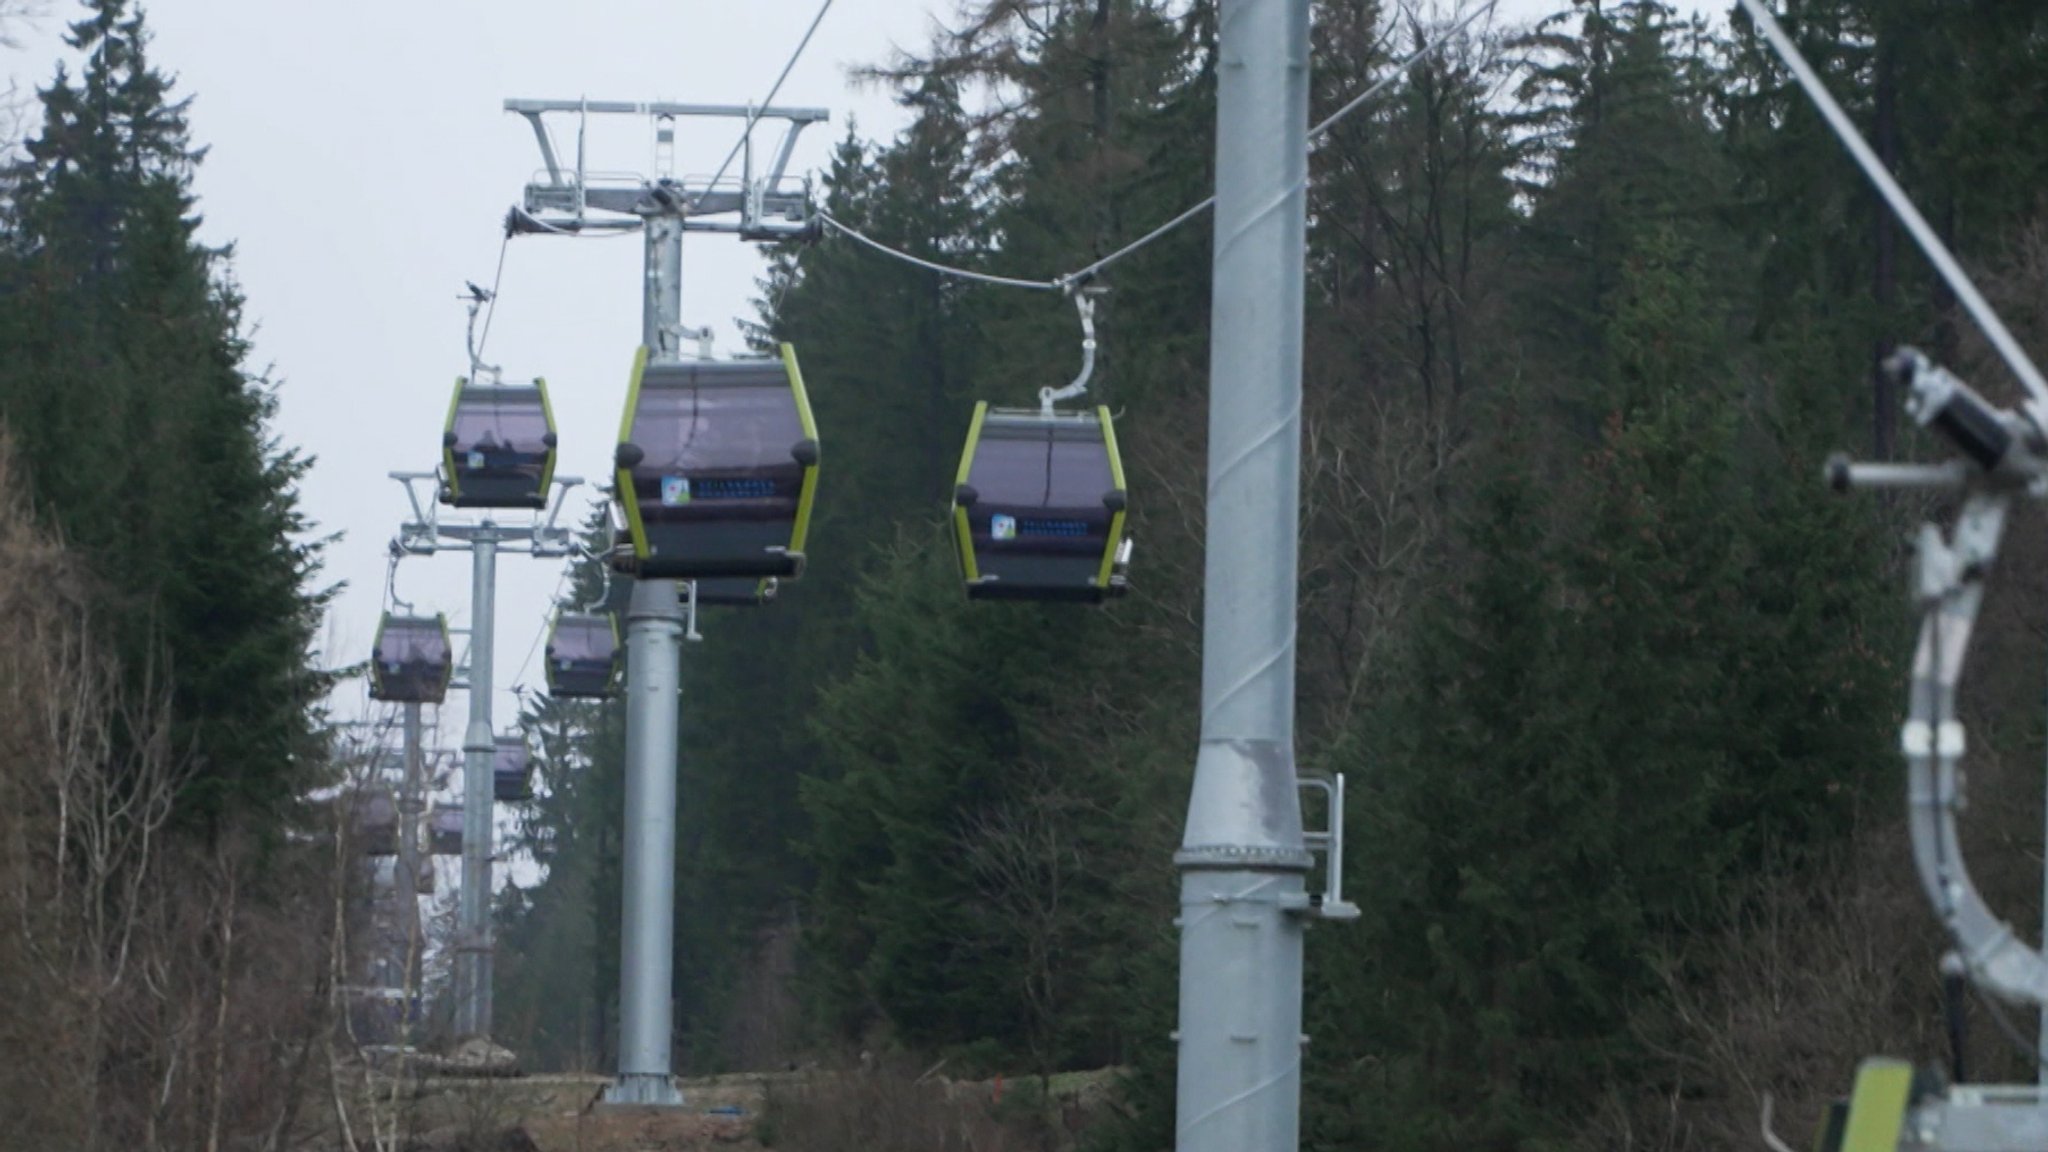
(123, 370)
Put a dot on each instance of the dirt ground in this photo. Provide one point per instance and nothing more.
(533, 1114)
(566, 1113)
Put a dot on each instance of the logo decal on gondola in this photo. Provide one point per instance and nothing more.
(476, 458)
(1003, 527)
(675, 490)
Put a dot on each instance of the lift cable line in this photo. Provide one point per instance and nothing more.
(1923, 234)
(833, 223)
(754, 116)
(490, 302)
(1068, 281)
(541, 635)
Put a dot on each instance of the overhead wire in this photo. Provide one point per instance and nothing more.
(1923, 234)
(832, 222)
(1317, 132)
(483, 336)
(553, 599)
(754, 114)
(1066, 282)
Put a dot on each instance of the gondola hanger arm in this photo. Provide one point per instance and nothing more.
(548, 538)
(1084, 303)
(604, 577)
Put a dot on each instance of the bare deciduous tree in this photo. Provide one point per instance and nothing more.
(160, 990)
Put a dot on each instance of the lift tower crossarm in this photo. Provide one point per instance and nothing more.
(641, 108)
(766, 207)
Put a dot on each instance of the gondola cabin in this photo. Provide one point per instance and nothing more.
(498, 450)
(511, 771)
(444, 830)
(377, 824)
(1038, 506)
(735, 591)
(582, 656)
(411, 660)
(717, 467)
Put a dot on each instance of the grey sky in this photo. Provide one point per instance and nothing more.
(361, 164)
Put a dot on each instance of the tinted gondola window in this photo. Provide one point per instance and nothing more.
(582, 652)
(500, 446)
(411, 660)
(511, 771)
(690, 429)
(444, 830)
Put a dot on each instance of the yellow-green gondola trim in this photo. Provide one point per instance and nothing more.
(377, 643)
(448, 450)
(547, 414)
(448, 646)
(1116, 475)
(1877, 1107)
(636, 528)
(963, 531)
(801, 530)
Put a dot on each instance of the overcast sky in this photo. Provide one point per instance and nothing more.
(360, 162)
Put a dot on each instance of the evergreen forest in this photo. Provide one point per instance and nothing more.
(1613, 678)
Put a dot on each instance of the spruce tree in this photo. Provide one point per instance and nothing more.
(123, 368)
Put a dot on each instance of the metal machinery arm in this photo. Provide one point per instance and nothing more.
(2002, 458)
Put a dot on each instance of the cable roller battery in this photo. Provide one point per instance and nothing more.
(1972, 427)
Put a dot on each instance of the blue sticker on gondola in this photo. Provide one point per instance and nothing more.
(1003, 527)
(675, 490)
(476, 459)
(1065, 529)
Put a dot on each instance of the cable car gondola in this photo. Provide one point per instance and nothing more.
(511, 771)
(1038, 506)
(717, 467)
(411, 660)
(582, 656)
(444, 830)
(736, 591)
(498, 450)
